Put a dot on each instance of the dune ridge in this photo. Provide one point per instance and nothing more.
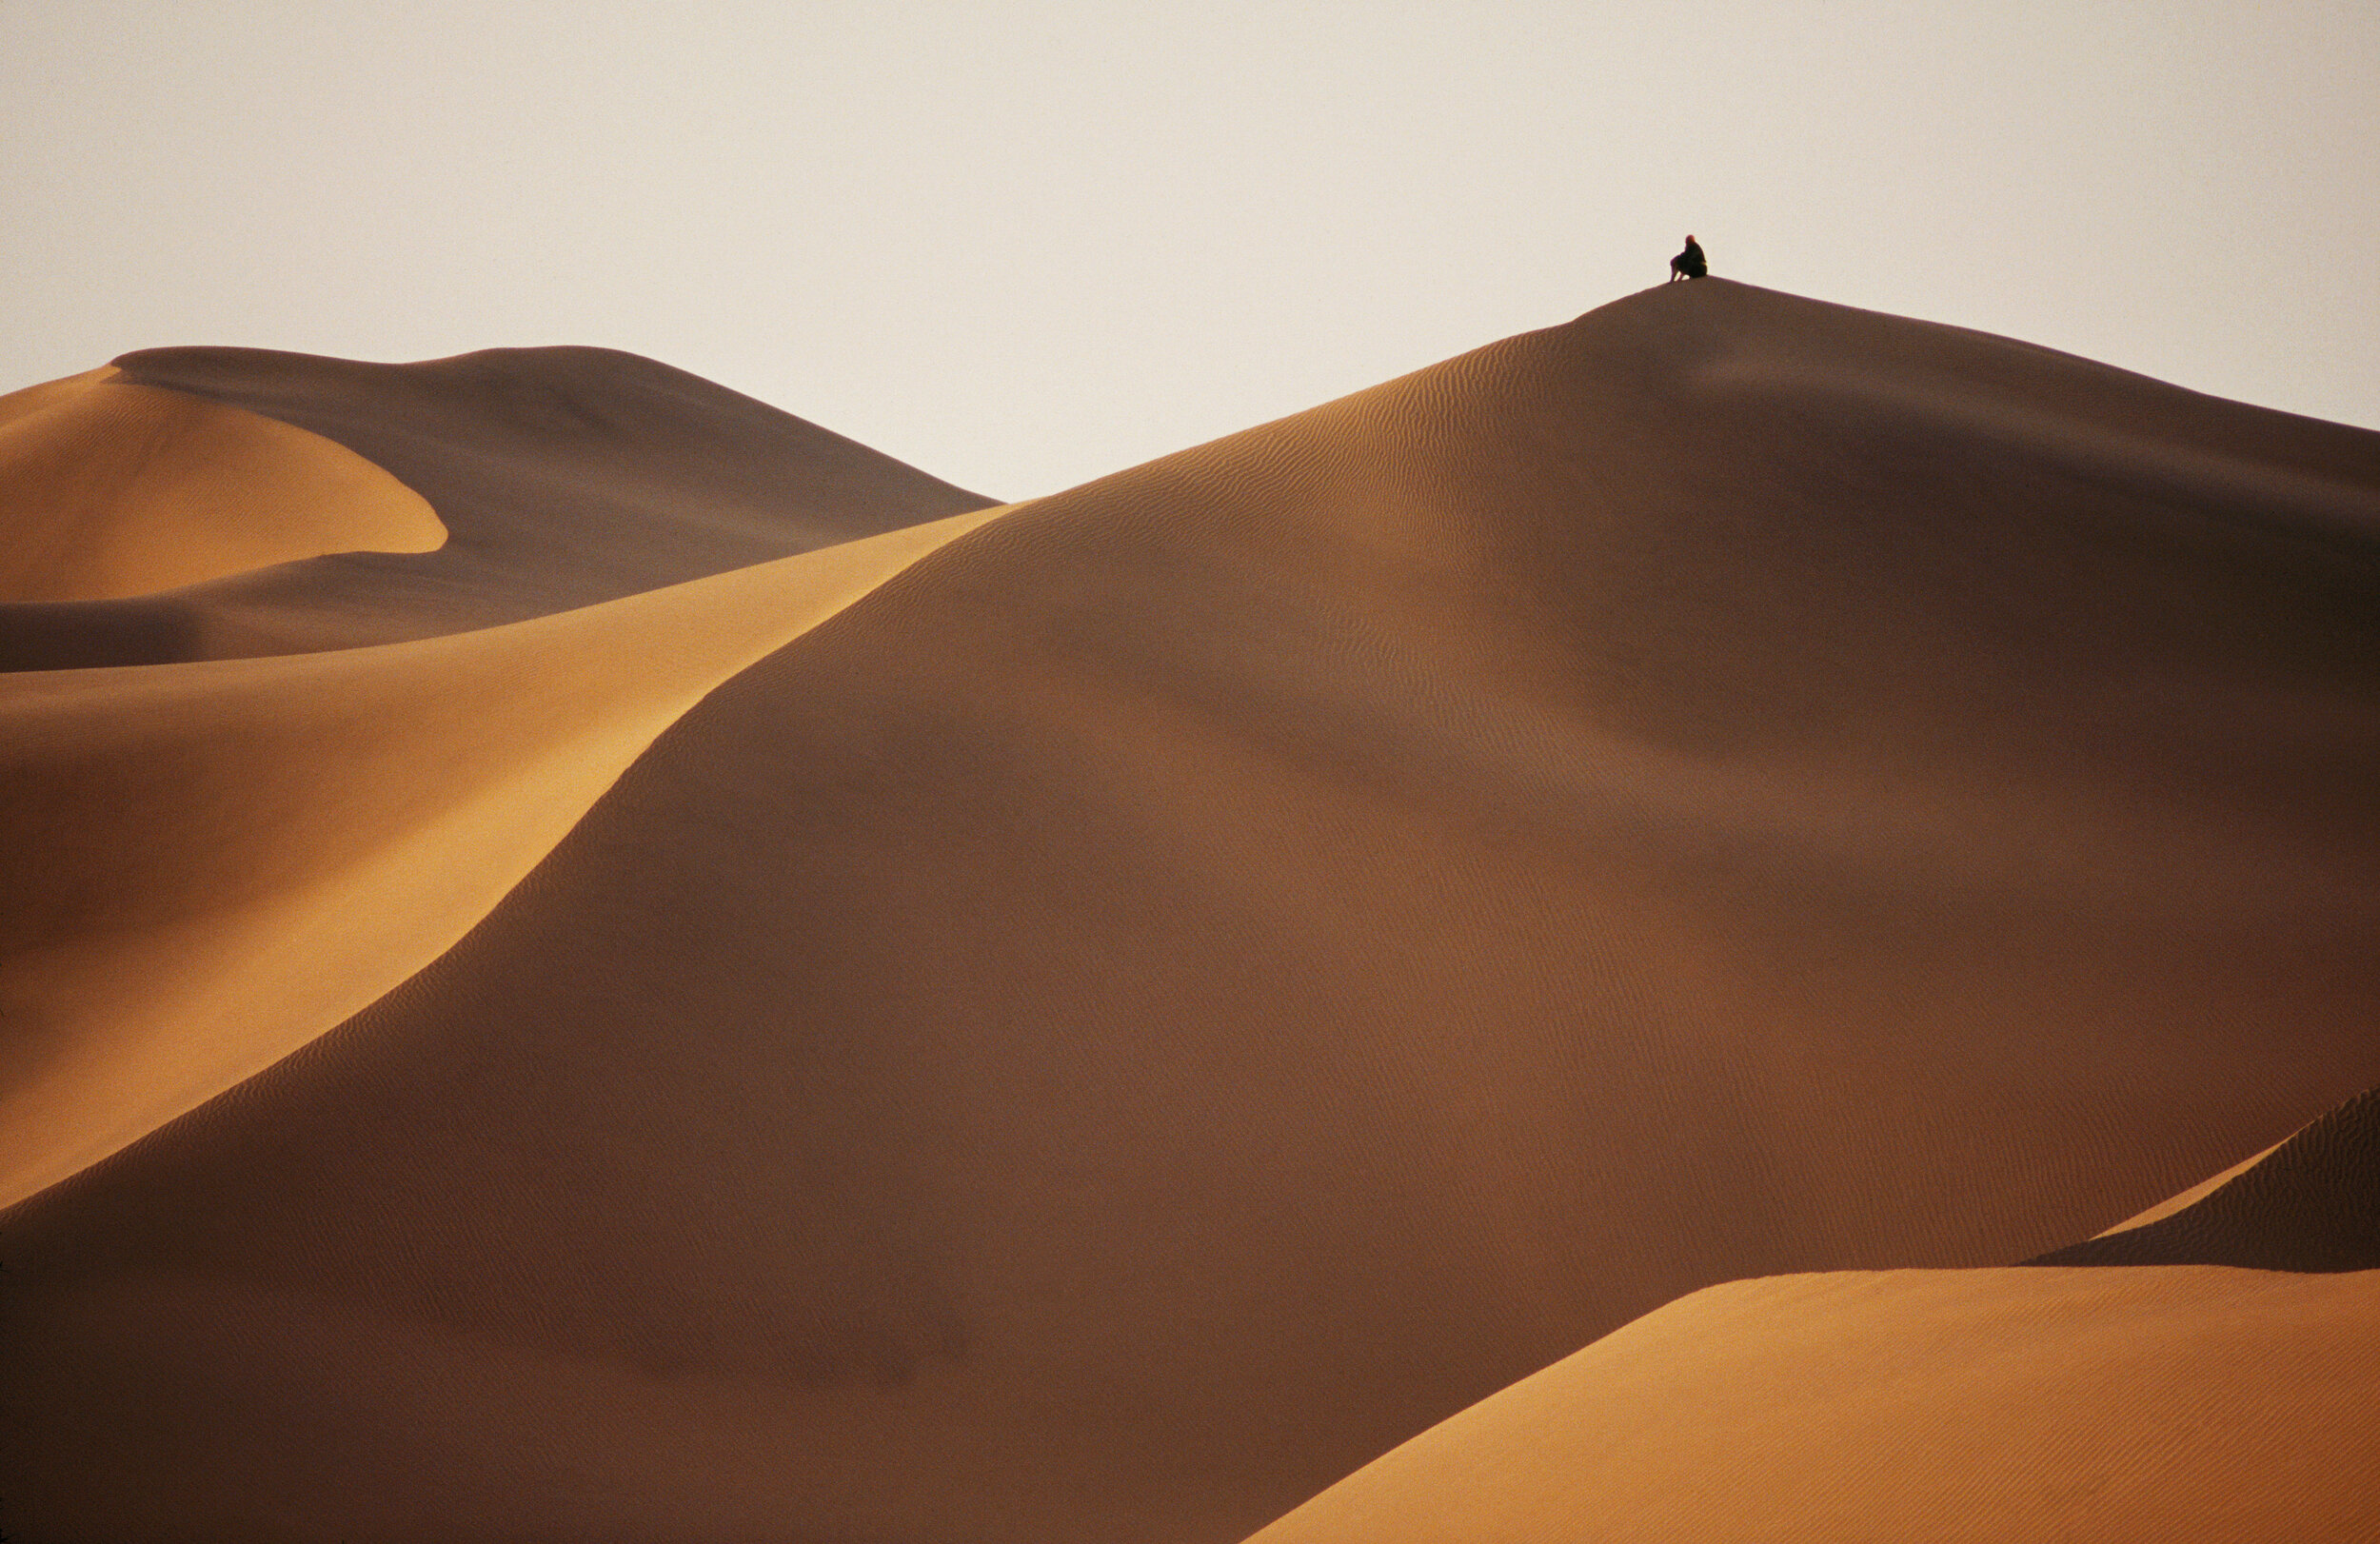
(2175, 1402)
(2310, 1204)
(1189, 984)
(42, 396)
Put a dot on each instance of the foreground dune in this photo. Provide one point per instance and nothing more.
(2216, 1385)
(2159, 1403)
(1198, 980)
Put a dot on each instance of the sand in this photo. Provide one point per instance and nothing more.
(214, 864)
(2310, 1204)
(2215, 1383)
(1117, 1017)
(2158, 1403)
(564, 477)
(117, 489)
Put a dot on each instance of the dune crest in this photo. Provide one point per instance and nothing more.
(569, 476)
(2192, 1394)
(115, 489)
(2183, 1199)
(564, 477)
(26, 401)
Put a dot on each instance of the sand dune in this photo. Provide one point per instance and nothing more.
(29, 400)
(1193, 982)
(215, 862)
(2159, 1403)
(116, 489)
(2172, 1402)
(2313, 1203)
(566, 476)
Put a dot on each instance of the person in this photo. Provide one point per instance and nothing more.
(1689, 263)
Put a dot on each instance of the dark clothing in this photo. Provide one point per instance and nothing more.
(1689, 263)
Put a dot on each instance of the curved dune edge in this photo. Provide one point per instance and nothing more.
(2313, 1204)
(44, 395)
(567, 476)
(233, 857)
(2153, 1403)
(2196, 1192)
(2183, 1200)
(113, 489)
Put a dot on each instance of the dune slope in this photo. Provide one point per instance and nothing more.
(2310, 1204)
(214, 862)
(2168, 1403)
(2009, 1406)
(113, 489)
(1205, 976)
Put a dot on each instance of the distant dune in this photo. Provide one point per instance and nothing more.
(565, 476)
(747, 994)
(117, 489)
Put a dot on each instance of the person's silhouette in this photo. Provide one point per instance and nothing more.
(1689, 263)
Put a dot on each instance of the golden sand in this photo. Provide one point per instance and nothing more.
(114, 489)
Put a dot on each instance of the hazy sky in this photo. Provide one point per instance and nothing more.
(1022, 244)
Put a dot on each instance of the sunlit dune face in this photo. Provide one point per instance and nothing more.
(112, 489)
(40, 398)
(2159, 1403)
(212, 863)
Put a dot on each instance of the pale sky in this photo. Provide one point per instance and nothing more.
(1023, 245)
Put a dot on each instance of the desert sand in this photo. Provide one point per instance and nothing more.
(214, 864)
(747, 994)
(2145, 1404)
(564, 477)
(118, 490)
(2218, 1383)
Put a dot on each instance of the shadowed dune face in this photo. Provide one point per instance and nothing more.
(1194, 981)
(2310, 1204)
(567, 477)
(114, 489)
